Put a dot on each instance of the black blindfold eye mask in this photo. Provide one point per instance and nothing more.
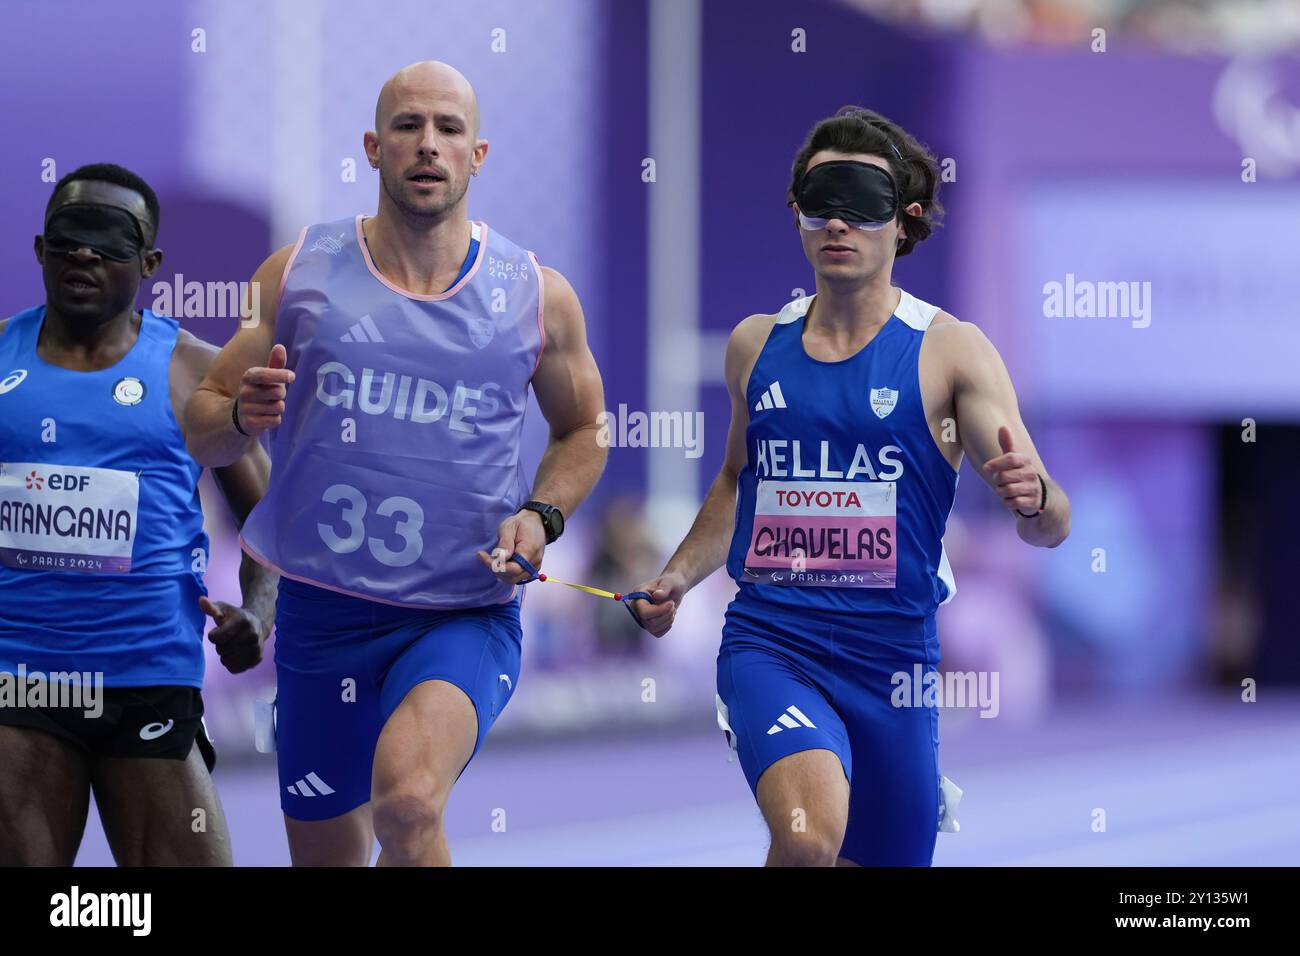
(862, 194)
(112, 232)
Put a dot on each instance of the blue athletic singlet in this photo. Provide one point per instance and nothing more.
(843, 501)
(838, 553)
(101, 534)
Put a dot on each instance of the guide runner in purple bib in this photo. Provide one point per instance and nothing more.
(391, 376)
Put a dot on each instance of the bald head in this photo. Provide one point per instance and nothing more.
(425, 143)
(422, 85)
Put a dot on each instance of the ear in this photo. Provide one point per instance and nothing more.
(152, 260)
(370, 143)
(912, 209)
(39, 247)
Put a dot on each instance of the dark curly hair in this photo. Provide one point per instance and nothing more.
(855, 129)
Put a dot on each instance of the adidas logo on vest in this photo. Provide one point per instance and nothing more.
(791, 719)
(772, 398)
(364, 331)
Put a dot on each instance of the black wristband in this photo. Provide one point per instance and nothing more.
(234, 417)
(1042, 505)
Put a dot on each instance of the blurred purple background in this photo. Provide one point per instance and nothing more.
(1171, 160)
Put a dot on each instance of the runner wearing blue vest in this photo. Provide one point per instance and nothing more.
(851, 410)
(392, 371)
(102, 551)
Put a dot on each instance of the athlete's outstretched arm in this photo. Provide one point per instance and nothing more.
(241, 629)
(704, 549)
(995, 439)
(248, 367)
(571, 396)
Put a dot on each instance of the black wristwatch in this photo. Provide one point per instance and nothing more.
(552, 518)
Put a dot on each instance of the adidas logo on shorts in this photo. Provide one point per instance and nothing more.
(303, 788)
(792, 718)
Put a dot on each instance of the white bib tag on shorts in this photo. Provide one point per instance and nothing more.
(264, 725)
(949, 798)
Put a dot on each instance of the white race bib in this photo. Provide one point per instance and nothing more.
(824, 534)
(67, 518)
